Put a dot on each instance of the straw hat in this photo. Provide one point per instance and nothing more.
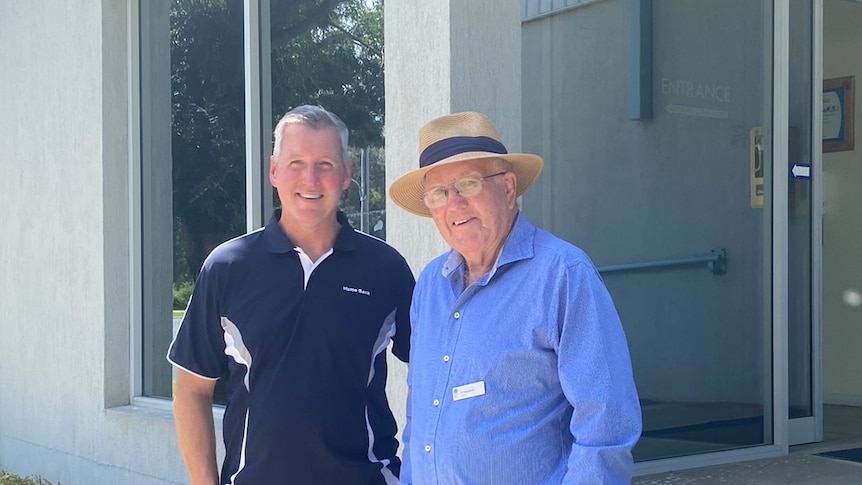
(457, 138)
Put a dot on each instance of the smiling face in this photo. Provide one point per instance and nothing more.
(475, 227)
(309, 176)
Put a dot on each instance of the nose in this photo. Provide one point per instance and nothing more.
(455, 198)
(309, 174)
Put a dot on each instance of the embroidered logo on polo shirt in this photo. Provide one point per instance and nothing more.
(351, 289)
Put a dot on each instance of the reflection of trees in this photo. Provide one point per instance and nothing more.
(326, 52)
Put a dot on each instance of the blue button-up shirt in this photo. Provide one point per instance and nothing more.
(522, 378)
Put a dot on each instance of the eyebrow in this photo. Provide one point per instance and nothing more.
(477, 174)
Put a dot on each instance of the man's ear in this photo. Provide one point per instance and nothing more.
(511, 182)
(348, 174)
(273, 167)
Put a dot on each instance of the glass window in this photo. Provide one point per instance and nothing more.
(194, 183)
(194, 162)
(334, 58)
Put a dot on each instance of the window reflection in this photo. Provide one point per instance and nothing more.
(194, 173)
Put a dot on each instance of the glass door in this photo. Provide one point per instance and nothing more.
(803, 223)
(657, 141)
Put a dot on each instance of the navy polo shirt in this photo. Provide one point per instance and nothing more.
(304, 368)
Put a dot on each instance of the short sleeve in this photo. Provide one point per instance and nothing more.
(199, 344)
(401, 340)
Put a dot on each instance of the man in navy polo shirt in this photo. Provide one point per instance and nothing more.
(295, 319)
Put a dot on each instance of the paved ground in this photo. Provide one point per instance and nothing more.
(801, 466)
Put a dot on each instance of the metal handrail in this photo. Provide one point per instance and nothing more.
(716, 261)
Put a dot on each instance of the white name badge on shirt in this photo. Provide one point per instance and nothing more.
(468, 390)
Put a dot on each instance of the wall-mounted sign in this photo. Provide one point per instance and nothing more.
(692, 98)
(800, 170)
(756, 150)
(838, 104)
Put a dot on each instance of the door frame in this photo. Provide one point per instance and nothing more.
(810, 429)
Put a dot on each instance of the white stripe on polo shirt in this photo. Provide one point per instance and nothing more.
(308, 265)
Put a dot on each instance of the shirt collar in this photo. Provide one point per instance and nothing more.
(277, 241)
(518, 246)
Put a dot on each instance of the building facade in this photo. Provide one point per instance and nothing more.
(701, 152)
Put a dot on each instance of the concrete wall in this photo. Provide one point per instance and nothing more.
(443, 56)
(842, 217)
(65, 252)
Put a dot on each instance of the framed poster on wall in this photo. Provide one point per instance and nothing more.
(838, 115)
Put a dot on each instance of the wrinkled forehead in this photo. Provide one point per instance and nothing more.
(447, 173)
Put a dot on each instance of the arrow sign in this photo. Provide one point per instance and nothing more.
(801, 170)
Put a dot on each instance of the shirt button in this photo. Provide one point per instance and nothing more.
(428, 448)
(457, 314)
(445, 358)
(436, 402)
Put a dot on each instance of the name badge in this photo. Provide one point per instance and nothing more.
(468, 390)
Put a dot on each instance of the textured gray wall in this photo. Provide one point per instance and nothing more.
(65, 252)
(443, 56)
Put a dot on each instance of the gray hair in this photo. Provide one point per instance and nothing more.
(314, 117)
(500, 165)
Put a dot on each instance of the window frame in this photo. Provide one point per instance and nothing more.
(151, 228)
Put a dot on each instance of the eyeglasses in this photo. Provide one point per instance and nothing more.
(465, 187)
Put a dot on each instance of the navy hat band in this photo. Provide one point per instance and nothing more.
(459, 144)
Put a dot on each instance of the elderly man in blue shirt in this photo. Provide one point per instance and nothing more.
(519, 367)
